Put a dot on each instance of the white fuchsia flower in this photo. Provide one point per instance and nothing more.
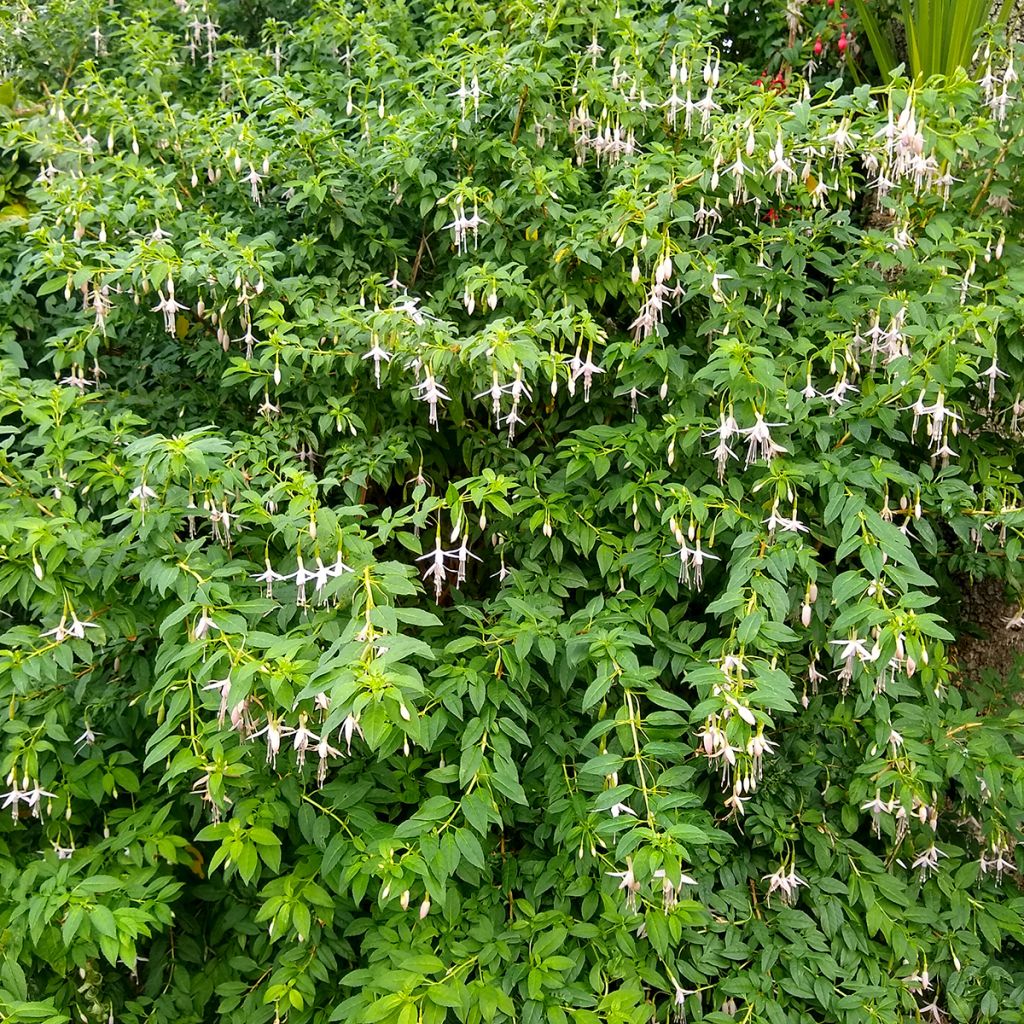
(378, 355)
(928, 861)
(142, 494)
(203, 625)
(628, 883)
(275, 731)
(268, 577)
(586, 369)
(722, 452)
(170, 307)
(430, 391)
(30, 797)
(760, 444)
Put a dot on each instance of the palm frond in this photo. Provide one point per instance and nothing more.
(940, 34)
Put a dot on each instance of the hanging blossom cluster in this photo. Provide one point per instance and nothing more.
(318, 575)
(659, 294)
(444, 564)
(27, 793)
(201, 33)
(858, 654)
(927, 813)
(785, 883)
(245, 716)
(761, 445)
(941, 422)
(738, 749)
(516, 390)
(464, 227)
(631, 888)
(691, 554)
(996, 83)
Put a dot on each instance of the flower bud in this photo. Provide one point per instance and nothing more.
(425, 908)
(805, 615)
(404, 900)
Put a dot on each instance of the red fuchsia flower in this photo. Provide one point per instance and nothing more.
(818, 47)
(842, 44)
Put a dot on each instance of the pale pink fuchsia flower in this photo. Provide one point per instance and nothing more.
(1016, 621)
(781, 167)
(170, 308)
(785, 882)
(789, 524)
(87, 739)
(76, 378)
(75, 629)
(1000, 861)
(324, 751)
(302, 739)
(878, 807)
(735, 803)
(993, 373)
(350, 728)
(919, 981)
(267, 409)
(142, 494)
(436, 569)
(494, 393)
(679, 1003)
(462, 226)
(757, 746)
(852, 650)
(222, 688)
(691, 563)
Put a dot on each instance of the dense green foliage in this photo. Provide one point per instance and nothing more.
(484, 494)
